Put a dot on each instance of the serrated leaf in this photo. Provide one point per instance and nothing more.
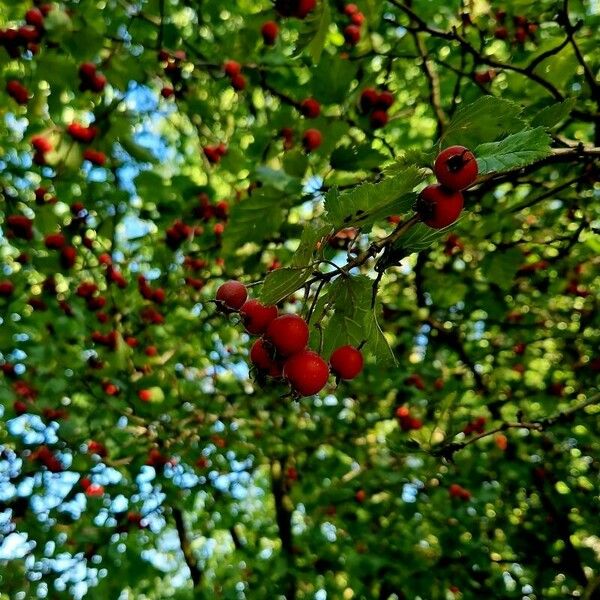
(254, 219)
(281, 283)
(419, 238)
(364, 204)
(485, 120)
(332, 79)
(552, 115)
(517, 150)
(350, 158)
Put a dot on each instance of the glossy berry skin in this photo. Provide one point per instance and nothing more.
(256, 316)
(261, 358)
(311, 139)
(232, 67)
(439, 207)
(306, 372)
(269, 32)
(288, 334)
(379, 118)
(310, 108)
(455, 168)
(231, 296)
(346, 362)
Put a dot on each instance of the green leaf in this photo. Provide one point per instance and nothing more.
(279, 180)
(350, 158)
(315, 46)
(517, 150)
(281, 283)
(552, 115)
(485, 120)
(419, 238)
(501, 267)
(254, 219)
(332, 79)
(368, 202)
(295, 163)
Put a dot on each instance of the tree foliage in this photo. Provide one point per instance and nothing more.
(150, 150)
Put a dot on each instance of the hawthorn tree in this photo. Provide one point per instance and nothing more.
(396, 394)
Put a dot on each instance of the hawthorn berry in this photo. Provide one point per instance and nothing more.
(17, 91)
(352, 34)
(145, 395)
(35, 18)
(346, 362)
(231, 296)
(357, 18)
(350, 9)
(368, 98)
(455, 168)
(261, 358)
(269, 32)
(306, 372)
(311, 139)
(304, 7)
(310, 108)
(439, 207)
(379, 118)
(232, 67)
(288, 334)
(256, 316)
(238, 82)
(384, 100)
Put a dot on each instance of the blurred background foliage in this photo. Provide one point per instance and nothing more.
(220, 486)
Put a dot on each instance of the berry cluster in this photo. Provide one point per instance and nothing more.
(352, 31)
(17, 91)
(282, 351)
(523, 28)
(440, 205)
(27, 36)
(269, 32)
(376, 104)
(295, 8)
(407, 422)
(90, 78)
(233, 70)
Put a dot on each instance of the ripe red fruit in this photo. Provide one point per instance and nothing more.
(269, 31)
(6, 288)
(261, 358)
(41, 143)
(350, 9)
(94, 490)
(310, 108)
(145, 395)
(17, 91)
(455, 168)
(306, 372)
(95, 157)
(379, 118)
(439, 207)
(357, 19)
(304, 7)
(352, 34)
(231, 296)
(167, 92)
(520, 35)
(384, 100)
(238, 82)
(256, 316)
(457, 491)
(35, 17)
(20, 226)
(98, 83)
(288, 334)
(368, 98)
(232, 67)
(68, 255)
(55, 241)
(501, 33)
(346, 362)
(360, 496)
(87, 71)
(311, 139)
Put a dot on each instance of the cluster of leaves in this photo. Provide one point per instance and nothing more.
(141, 458)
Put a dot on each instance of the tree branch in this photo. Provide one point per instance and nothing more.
(188, 555)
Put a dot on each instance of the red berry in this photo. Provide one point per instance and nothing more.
(87, 71)
(304, 7)
(307, 372)
(145, 395)
(6, 288)
(379, 118)
(350, 9)
(455, 168)
(95, 157)
(346, 362)
(41, 143)
(232, 67)
(17, 91)
(310, 108)
(312, 139)
(501, 33)
(34, 17)
(231, 296)
(357, 19)
(98, 83)
(256, 316)
(238, 82)
(384, 100)
(94, 490)
(360, 496)
(261, 358)
(352, 34)
(55, 241)
(269, 31)
(368, 98)
(167, 92)
(288, 334)
(439, 207)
